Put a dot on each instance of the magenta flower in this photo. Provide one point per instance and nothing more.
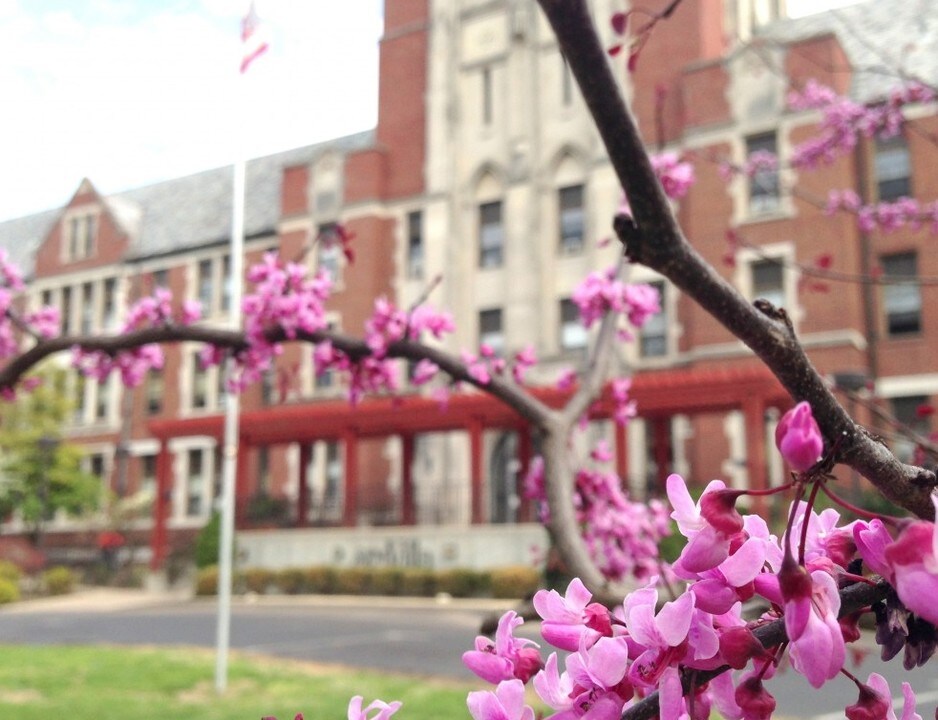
(709, 525)
(508, 657)
(811, 604)
(379, 709)
(798, 437)
(913, 558)
(571, 619)
(875, 701)
(594, 686)
(506, 703)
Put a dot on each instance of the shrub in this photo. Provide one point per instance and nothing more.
(322, 580)
(420, 582)
(207, 542)
(206, 582)
(386, 581)
(292, 581)
(460, 582)
(9, 591)
(258, 580)
(58, 580)
(353, 581)
(10, 571)
(515, 582)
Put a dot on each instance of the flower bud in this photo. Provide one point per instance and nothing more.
(754, 700)
(869, 706)
(798, 437)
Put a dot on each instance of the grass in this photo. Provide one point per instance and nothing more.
(100, 683)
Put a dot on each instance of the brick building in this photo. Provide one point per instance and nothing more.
(485, 167)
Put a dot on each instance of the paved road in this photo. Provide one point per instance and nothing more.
(422, 638)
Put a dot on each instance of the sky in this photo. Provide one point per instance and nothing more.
(131, 92)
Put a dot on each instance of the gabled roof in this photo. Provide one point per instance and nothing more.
(186, 212)
(880, 37)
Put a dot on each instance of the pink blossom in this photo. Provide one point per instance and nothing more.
(571, 621)
(424, 372)
(508, 657)
(624, 408)
(799, 438)
(595, 684)
(709, 544)
(379, 709)
(913, 557)
(676, 175)
(506, 703)
(875, 701)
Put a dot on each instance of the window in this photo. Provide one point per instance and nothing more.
(206, 286)
(195, 486)
(154, 392)
(87, 308)
(491, 235)
(109, 305)
(490, 330)
(653, 335)
(328, 251)
(102, 404)
(908, 411)
(570, 201)
(761, 157)
(573, 335)
(487, 100)
(81, 232)
(160, 279)
(199, 399)
(902, 299)
(67, 311)
(768, 281)
(415, 245)
(148, 474)
(893, 169)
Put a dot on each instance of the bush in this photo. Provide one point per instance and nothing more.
(386, 581)
(419, 582)
(460, 582)
(207, 542)
(58, 580)
(10, 572)
(292, 581)
(258, 580)
(206, 582)
(321, 580)
(515, 582)
(9, 591)
(353, 581)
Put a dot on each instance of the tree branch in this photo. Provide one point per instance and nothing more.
(657, 241)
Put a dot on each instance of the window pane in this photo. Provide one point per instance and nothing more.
(653, 335)
(571, 218)
(893, 168)
(490, 330)
(573, 334)
(206, 289)
(763, 182)
(902, 303)
(491, 236)
(415, 245)
(768, 281)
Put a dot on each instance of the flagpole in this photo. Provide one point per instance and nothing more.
(230, 447)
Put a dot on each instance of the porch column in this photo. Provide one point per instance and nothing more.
(754, 410)
(475, 471)
(661, 429)
(350, 443)
(408, 509)
(302, 495)
(242, 481)
(161, 503)
(525, 450)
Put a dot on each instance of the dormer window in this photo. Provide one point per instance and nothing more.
(81, 234)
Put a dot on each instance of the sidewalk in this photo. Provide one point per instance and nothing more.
(103, 599)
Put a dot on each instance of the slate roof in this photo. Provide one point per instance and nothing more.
(879, 38)
(186, 212)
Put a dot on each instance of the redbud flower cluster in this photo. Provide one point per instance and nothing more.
(602, 292)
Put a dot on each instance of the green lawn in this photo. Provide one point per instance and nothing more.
(101, 683)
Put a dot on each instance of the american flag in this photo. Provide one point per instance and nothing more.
(253, 38)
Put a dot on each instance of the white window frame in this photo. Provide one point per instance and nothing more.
(784, 252)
